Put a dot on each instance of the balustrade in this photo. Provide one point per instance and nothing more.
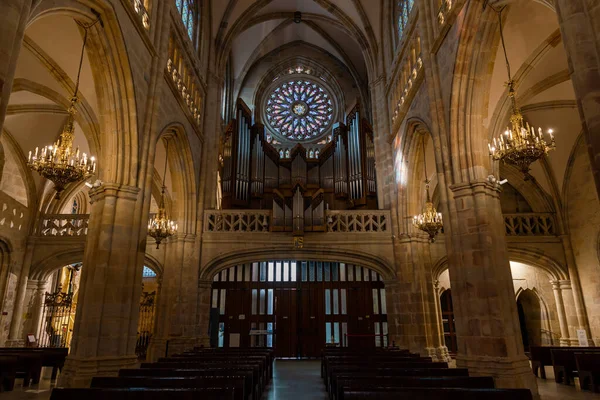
(63, 225)
(237, 221)
(530, 224)
(358, 221)
(445, 8)
(142, 12)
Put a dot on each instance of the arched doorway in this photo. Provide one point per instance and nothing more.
(448, 321)
(298, 307)
(147, 311)
(530, 318)
(59, 307)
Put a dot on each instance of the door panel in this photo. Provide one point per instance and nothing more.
(298, 307)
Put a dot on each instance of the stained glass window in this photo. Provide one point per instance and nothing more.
(299, 110)
(403, 10)
(188, 11)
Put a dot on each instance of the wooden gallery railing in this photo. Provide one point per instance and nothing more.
(63, 225)
(530, 224)
(368, 221)
(237, 221)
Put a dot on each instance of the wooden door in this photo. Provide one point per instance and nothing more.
(286, 326)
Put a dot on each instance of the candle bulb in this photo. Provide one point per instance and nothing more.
(29, 156)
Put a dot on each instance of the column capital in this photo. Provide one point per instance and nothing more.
(561, 284)
(109, 189)
(483, 186)
(204, 284)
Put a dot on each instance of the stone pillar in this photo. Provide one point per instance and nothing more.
(483, 296)
(575, 286)
(411, 317)
(383, 151)
(177, 305)
(560, 310)
(441, 350)
(203, 322)
(15, 338)
(105, 330)
(13, 18)
(579, 25)
(570, 312)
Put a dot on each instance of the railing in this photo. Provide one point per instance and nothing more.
(444, 10)
(237, 221)
(358, 221)
(141, 11)
(530, 224)
(63, 225)
(190, 97)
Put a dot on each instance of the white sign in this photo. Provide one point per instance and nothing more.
(582, 337)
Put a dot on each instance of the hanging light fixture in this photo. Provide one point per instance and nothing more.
(429, 221)
(58, 162)
(161, 227)
(520, 145)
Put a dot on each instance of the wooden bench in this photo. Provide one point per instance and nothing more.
(393, 372)
(145, 394)
(438, 394)
(28, 367)
(195, 382)
(250, 375)
(564, 364)
(53, 357)
(8, 372)
(369, 383)
(541, 357)
(588, 369)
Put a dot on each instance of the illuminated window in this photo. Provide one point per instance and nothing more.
(403, 10)
(299, 110)
(189, 14)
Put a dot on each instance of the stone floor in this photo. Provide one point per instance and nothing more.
(301, 380)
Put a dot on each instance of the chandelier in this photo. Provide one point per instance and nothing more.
(59, 162)
(520, 145)
(429, 221)
(161, 227)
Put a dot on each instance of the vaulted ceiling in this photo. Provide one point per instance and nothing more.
(348, 30)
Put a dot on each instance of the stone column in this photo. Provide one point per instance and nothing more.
(15, 338)
(441, 350)
(203, 321)
(411, 317)
(177, 305)
(105, 329)
(383, 150)
(483, 296)
(579, 25)
(560, 310)
(574, 284)
(572, 320)
(13, 18)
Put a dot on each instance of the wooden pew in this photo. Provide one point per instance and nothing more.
(564, 364)
(393, 372)
(588, 369)
(195, 382)
(145, 394)
(8, 372)
(370, 383)
(541, 357)
(250, 374)
(29, 366)
(53, 357)
(439, 394)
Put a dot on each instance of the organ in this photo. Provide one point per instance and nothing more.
(298, 185)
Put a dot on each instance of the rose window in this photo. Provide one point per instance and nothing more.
(299, 110)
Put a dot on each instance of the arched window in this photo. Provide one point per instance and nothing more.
(189, 15)
(403, 9)
(280, 153)
(287, 153)
(75, 207)
(317, 154)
